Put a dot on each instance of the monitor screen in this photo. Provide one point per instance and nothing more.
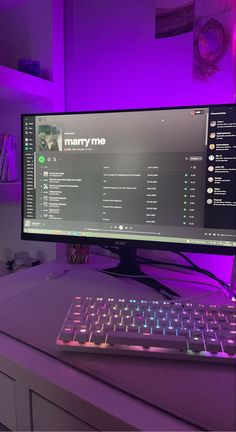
(152, 178)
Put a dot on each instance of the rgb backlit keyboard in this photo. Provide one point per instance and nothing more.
(167, 329)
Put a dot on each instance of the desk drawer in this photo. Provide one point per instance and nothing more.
(7, 402)
(49, 417)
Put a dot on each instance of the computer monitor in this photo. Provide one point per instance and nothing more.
(144, 178)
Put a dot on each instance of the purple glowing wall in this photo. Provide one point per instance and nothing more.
(114, 61)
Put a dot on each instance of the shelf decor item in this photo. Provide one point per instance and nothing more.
(77, 253)
(29, 66)
(8, 170)
(21, 261)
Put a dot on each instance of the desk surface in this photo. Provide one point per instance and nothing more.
(212, 384)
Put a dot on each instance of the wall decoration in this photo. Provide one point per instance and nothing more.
(174, 20)
(213, 39)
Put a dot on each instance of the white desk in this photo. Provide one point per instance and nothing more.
(38, 392)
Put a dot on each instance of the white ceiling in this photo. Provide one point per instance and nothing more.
(9, 4)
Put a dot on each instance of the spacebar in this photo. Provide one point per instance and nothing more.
(154, 340)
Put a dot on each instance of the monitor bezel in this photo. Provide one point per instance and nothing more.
(139, 244)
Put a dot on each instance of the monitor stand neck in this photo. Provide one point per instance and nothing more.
(129, 267)
(232, 286)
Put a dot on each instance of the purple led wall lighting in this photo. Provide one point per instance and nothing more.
(114, 61)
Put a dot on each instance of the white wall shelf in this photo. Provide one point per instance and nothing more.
(16, 86)
(32, 29)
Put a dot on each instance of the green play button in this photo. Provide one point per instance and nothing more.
(41, 159)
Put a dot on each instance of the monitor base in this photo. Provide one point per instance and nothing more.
(130, 267)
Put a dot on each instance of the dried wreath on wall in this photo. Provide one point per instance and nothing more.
(211, 41)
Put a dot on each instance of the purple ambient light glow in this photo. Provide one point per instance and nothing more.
(113, 61)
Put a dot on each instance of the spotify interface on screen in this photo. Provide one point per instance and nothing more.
(166, 175)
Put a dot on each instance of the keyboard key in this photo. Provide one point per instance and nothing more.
(92, 318)
(213, 326)
(149, 314)
(229, 346)
(173, 315)
(115, 319)
(209, 334)
(108, 327)
(224, 334)
(145, 329)
(78, 307)
(200, 308)
(196, 344)
(177, 306)
(175, 323)
(127, 320)
(131, 328)
(120, 327)
(96, 326)
(170, 331)
(76, 323)
(139, 321)
(166, 305)
(228, 309)
(226, 326)
(154, 340)
(212, 308)
(103, 318)
(196, 333)
(222, 318)
(151, 322)
(82, 327)
(97, 337)
(92, 308)
(184, 315)
(161, 315)
(189, 307)
(78, 300)
(210, 318)
(137, 313)
(213, 345)
(157, 330)
(197, 316)
(67, 334)
(183, 332)
(81, 316)
(82, 336)
(201, 325)
(188, 324)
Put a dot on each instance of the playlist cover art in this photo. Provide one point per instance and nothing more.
(49, 138)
